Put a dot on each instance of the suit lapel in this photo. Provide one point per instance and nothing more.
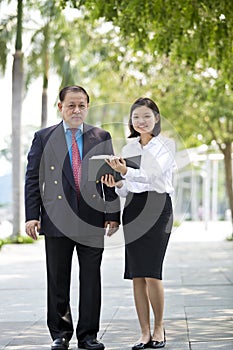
(57, 141)
(89, 139)
(58, 144)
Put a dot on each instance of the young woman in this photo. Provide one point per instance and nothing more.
(147, 216)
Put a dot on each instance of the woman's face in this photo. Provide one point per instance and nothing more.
(144, 120)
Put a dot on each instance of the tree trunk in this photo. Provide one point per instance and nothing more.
(227, 151)
(16, 109)
(44, 108)
(17, 89)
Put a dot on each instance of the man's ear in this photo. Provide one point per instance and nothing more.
(59, 106)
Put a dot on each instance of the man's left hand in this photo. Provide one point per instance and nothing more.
(111, 227)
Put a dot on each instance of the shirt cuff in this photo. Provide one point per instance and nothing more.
(122, 191)
(129, 174)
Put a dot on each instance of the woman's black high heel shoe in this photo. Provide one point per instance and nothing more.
(155, 344)
(140, 346)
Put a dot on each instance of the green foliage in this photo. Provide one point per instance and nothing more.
(50, 45)
(176, 223)
(117, 63)
(197, 102)
(185, 30)
(7, 28)
(229, 238)
(16, 240)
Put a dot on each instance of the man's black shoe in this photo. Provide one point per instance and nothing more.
(91, 344)
(60, 344)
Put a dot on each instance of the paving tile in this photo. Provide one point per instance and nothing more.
(215, 345)
(209, 329)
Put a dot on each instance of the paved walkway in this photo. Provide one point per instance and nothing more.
(198, 280)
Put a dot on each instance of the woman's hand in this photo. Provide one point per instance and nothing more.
(118, 164)
(109, 181)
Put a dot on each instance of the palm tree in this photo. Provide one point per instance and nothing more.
(7, 33)
(7, 27)
(51, 49)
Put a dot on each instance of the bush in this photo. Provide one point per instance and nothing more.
(176, 223)
(16, 240)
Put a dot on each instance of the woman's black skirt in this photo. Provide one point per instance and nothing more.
(147, 222)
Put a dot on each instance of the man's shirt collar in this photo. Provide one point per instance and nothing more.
(66, 127)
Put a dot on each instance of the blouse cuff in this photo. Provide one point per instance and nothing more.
(129, 174)
(122, 191)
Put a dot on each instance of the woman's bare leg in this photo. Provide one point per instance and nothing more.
(156, 297)
(141, 300)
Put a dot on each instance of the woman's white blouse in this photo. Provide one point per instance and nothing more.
(157, 165)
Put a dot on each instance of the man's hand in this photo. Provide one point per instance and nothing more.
(111, 227)
(32, 227)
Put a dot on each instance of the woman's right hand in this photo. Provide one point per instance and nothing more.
(109, 181)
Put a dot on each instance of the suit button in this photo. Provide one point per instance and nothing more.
(94, 195)
(52, 167)
(59, 197)
(55, 182)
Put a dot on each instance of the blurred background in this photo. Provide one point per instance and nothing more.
(179, 53)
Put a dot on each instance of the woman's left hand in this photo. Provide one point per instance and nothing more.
(109, 181)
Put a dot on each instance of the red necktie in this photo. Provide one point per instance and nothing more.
(76, 161)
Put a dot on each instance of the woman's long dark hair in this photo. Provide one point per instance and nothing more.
(144, 101)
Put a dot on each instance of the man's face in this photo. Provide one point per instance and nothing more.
(74, 108)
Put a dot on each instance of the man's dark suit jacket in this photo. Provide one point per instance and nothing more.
(50, 194)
